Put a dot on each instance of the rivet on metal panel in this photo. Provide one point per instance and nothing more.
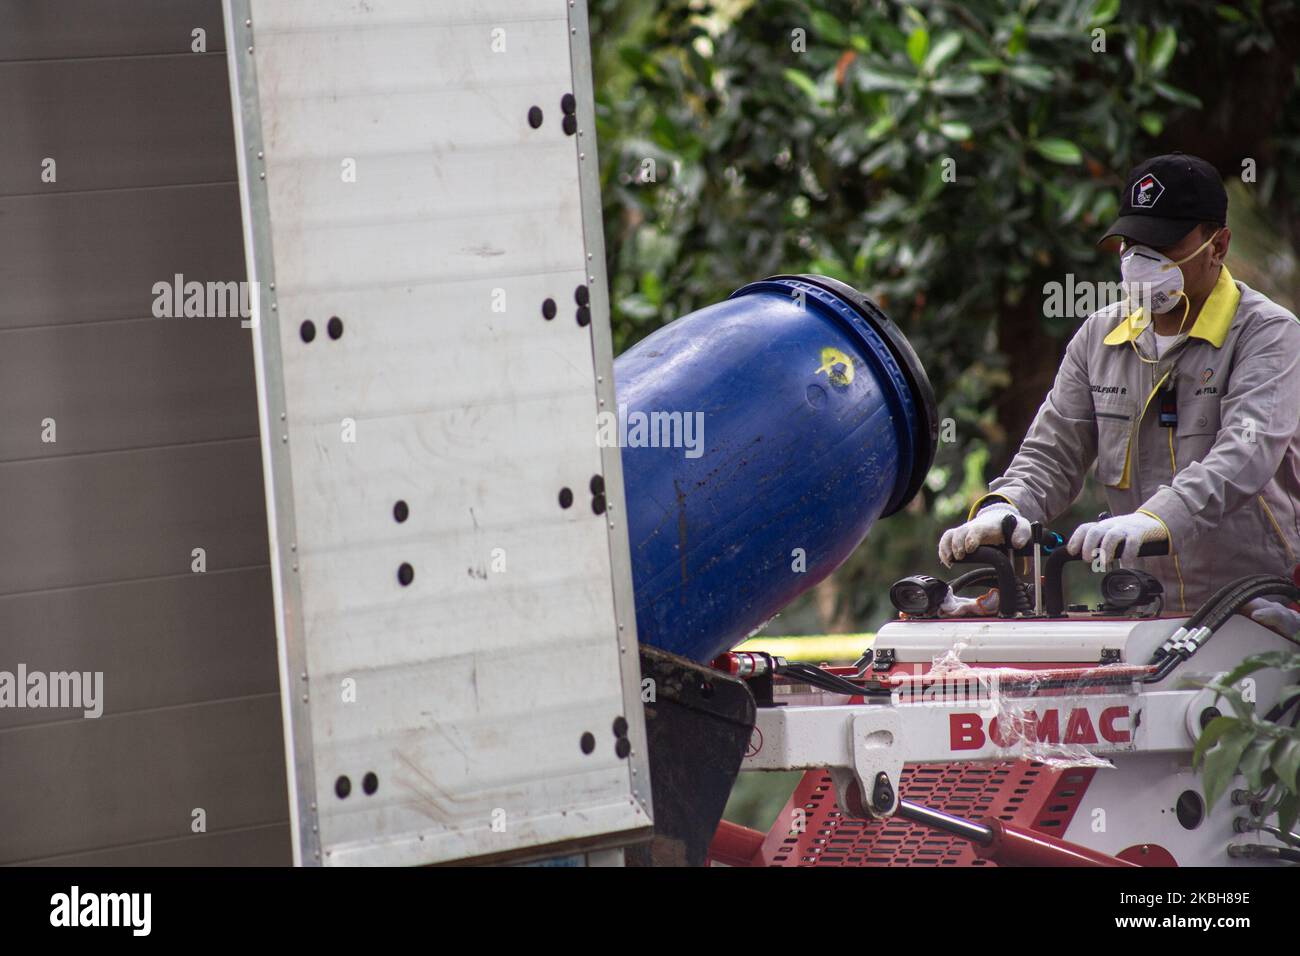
(589, 256)
(293, 546)
(250, 49)
(304, 675)
(272, 284)
(283, 416)
(249, 23)
(274, 307)
(582, 156)
(600, 379)
(259, 156)
(295, 565)
(304, 698)
(261, 175)
(284, 439)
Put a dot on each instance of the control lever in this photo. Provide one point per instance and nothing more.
(1008, 530)
(1054, 572)
(1036, 536)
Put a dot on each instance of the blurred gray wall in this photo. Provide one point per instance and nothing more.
(156, 453)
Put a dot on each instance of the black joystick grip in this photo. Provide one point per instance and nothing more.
(1008, 529)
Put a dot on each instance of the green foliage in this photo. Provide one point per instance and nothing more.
(1265, 751)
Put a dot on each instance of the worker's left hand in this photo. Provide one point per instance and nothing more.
(1275, 616)
(1132, 531)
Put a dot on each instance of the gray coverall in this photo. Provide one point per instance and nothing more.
(1225, 481)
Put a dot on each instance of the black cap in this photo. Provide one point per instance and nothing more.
(1166, 198)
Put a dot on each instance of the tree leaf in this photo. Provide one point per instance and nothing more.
(1058, 151)
(1103, 11)
(870, 80)
(1211, 735)
(1181, 97)
(1286, 762)
(966, 85)
(955, 130)
(918, 42)
(1153, 123)
(804, 82)
(1221, 763)
(827, 26)
(1031, 75)
(1163, 47)
(943, 50)
(1254, 761)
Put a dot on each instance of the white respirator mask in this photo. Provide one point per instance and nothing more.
(1153, 279)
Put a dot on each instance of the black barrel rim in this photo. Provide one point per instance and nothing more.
(927, 409)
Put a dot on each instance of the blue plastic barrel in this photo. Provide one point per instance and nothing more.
(762, 438)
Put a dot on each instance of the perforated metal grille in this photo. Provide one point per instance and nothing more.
(1020, 792)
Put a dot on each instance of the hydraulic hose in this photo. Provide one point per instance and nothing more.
(1210, 616)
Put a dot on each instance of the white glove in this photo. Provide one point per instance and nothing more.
(982, 606)
(1132, 531)
(984, 528)
(1274, 616)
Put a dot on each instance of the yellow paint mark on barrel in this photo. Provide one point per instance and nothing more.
(837, 366)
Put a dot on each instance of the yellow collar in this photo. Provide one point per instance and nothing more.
(1211, 325)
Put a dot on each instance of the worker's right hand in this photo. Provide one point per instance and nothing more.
(984, 528)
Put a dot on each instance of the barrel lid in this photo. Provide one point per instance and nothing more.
(926, 436)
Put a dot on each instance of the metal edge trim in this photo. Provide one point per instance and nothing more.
(602, 345)
(277, 475)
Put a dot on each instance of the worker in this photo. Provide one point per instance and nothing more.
(1186, 394)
